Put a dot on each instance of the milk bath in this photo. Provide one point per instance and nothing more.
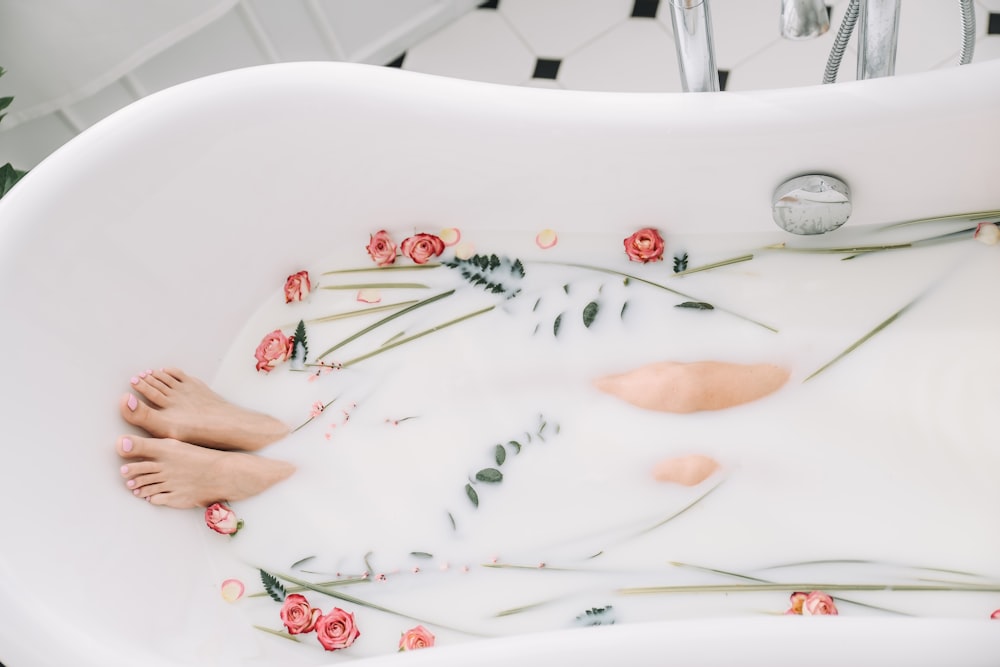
(880, 467)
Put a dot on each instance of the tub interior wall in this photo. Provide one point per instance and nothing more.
(186, 214)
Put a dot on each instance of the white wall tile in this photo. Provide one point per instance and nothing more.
(30, 142)
(104, 103)
(636, 56)
(556, 28)
(291, 29)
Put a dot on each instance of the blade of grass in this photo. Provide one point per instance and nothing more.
(394, 267)
(277, 633)
(354, 286)
(715, 265)
(807, 586)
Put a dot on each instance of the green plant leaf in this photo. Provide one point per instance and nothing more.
(696, 305)
(500, 454)
(516, 445)
(624, 308)
(421, 554)
(589, 313)
(680, 262)
(273, 587)
(301, 342)
(9, 178)
(473, 496)
(556, 324)
(489, 475)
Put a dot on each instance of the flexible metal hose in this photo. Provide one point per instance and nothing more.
(851, 17)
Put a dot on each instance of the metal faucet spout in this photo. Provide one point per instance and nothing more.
(878, 35)
(695, 47)
(804, 19)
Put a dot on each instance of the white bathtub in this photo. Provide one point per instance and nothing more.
(151, 238)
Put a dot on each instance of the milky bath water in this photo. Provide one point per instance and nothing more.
(466, 470)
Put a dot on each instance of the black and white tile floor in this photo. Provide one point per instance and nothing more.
(627, 45)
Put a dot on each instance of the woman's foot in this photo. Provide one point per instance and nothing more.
(169, 472)
(670, 386)
(182, 407)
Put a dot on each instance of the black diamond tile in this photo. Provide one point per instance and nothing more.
(645, 9)
(546, 69)
(723, 78)
(489, 4)
(993, 25)
(398, 62)
(829, 12)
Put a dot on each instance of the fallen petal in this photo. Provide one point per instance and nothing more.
(988, 233)
(369, 296)
(232, 590)
(450, 236)
(546, 239)
(685, 470)
(465, 250)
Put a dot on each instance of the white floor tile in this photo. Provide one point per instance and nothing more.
(556, 28)
(637, 56)
(930, 31)
(479, 45)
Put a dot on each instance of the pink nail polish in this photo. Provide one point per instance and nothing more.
(130, 483)
(133, 402)
(149, 371)
(124, 470)
(126, 444)
(135, 492)
(142, 375)
(134, 380)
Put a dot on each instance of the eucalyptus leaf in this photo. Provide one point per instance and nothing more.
(516, 445)
(556, 324)
(624, 308)
(500, 454)
(696, 305)
(473, 496)
(489, 475)
(589, 313)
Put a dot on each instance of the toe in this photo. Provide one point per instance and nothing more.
(143, 481)
(172, 376)
(149, 490)
(149, 387)
(136, 468)
(152, 380)
(138, 447)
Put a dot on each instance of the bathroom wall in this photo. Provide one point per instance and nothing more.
(620, 45)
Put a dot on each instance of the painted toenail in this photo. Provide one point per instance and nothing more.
(134, 380)
(135, 492)
(149, 371)
(133, 402)
(124, 470)
(142, 375)
(126, 444)
(130, 483)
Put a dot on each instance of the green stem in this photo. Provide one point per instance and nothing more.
(864, 339)
(325, 406)
(353, 313)
(299, 589)
(382, 268)
(945, 218)
(715, 265)
(807, 586)
(657, 285)
(385, 320)
(278, 633)
(355, 286)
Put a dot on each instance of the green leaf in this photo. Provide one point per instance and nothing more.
(589, 313)
(473, 496)
(624, 307)
(9, 178)
(421, 554)
(5, 102)
(696, 305)
(680, 263)
(516, 445)
(451, 519)
(556, 324)
(501, 454)
(301, 342)
(273, 587)
(489, 475)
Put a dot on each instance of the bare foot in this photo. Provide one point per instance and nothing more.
(176, 474)
(184, 408)
(670, 386)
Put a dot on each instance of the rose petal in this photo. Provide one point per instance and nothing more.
(995, 615)
(546, 239)
(988, 233)
(369, 296)
(465, 250)
(450, 236)
(232, 590)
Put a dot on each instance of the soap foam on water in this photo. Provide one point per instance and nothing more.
(889, 455)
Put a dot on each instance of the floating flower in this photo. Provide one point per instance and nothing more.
(414, 638)
(222, 519)
(546, 239)
(369, 295)
(275, 348)
(450, 236)
(381, 248)
(232, 590)
(646, 245)
(298, 616)
(815, 603)
(988, 233)
(995, 615)
(336, 630)
(297, 286)
(317, 409)
(465, 250)
(421, 247)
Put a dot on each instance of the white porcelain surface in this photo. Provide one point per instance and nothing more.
(151, 237)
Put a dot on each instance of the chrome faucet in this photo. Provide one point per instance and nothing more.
(803, 19)
(878, 34)
(695, 46)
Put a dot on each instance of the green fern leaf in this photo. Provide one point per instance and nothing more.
(273, 587)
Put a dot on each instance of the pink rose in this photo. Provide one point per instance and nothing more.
(275, 348)
(818, 604)
(298, 616)
(995, 615)
(221, 519)
(297, 286)
(796, 601)
(381, 248)
(336, 630)
(414, 638)
(646, 245)
(422, 247)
